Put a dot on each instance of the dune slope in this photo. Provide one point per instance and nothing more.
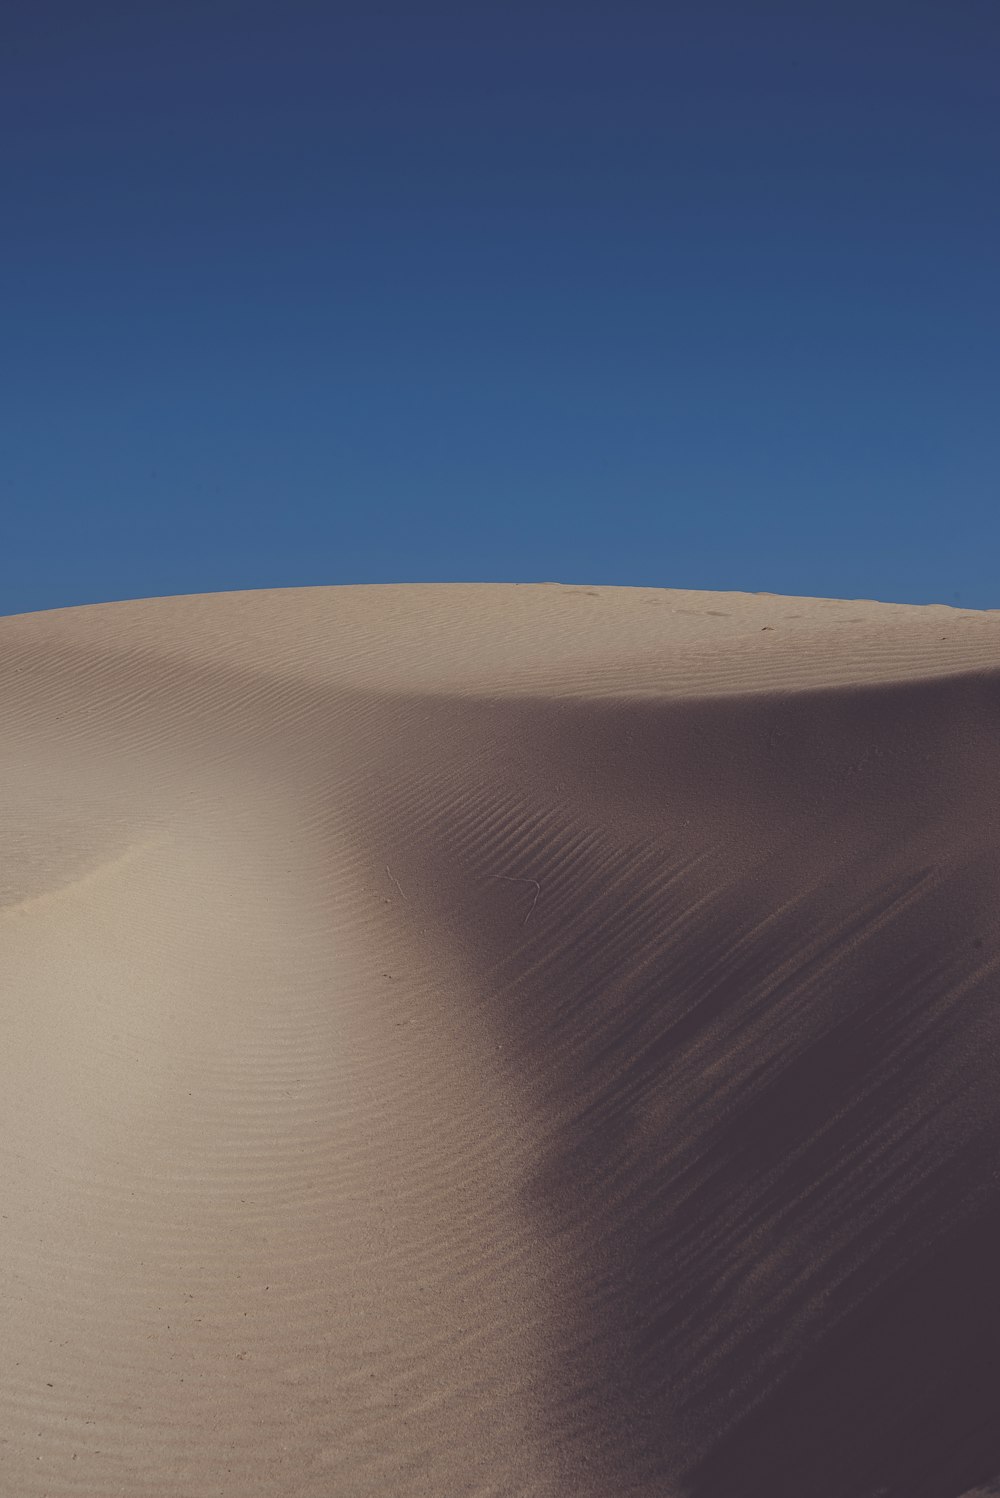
(492, 1041)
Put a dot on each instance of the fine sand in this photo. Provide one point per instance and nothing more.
(499, 1041)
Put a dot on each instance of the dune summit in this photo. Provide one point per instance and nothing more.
(479, 1040)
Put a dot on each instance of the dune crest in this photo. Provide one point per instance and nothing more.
(500, 1040)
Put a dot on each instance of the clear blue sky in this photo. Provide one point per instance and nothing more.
(687, 294)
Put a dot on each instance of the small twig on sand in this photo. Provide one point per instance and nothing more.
(516, 879)
(395, 882)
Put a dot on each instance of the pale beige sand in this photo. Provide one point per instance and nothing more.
(499, 1040)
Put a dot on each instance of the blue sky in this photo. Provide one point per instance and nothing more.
(697, 295)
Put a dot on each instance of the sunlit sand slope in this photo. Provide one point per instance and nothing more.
(499, 1041)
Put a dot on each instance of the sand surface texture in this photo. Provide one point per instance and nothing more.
(499, 1041)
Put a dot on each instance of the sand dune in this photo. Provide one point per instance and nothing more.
(500, 1041)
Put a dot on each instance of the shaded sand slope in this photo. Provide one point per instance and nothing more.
(500, 1041)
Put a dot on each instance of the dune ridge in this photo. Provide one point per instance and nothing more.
(500, 1040)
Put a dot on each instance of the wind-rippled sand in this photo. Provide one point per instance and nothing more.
(483, 1040)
